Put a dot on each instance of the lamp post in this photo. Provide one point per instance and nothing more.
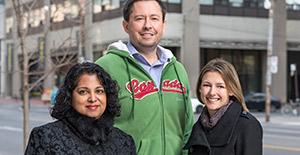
(269, 55)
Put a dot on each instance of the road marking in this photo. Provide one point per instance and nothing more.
(281, 147)
(9, 128)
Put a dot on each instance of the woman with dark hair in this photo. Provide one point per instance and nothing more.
(225, 125)
(85, 107)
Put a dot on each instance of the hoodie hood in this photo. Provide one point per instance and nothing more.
(120, 48)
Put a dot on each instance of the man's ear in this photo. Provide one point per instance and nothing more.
(125, 26)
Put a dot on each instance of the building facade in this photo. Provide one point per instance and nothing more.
(197, 31)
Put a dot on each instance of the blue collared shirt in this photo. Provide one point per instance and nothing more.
(156, 68)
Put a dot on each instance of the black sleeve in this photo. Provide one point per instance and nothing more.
(250, 138)
(35, 144)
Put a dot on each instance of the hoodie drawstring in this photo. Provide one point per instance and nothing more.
(184, 98)
(132, 92)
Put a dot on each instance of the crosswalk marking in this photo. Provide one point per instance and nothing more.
(9, 128)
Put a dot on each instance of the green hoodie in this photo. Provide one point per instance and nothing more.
(160, 121)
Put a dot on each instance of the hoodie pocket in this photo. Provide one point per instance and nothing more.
(154, 145)
(150, 146)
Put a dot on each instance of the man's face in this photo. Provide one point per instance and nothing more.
(145, 26)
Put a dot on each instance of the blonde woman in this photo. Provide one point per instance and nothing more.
(225, 125)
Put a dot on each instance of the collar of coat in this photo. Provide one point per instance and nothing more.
(91, 130)
(221, 133)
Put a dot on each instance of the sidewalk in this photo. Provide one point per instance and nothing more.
(33, 101)
(277, 118)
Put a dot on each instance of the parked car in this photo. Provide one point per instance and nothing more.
(257, 101)
(197, 105)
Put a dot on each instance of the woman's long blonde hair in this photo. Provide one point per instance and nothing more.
(229, 76)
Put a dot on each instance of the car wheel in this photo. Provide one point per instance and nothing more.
(199, 109)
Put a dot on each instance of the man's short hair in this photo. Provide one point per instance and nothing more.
(128, 8)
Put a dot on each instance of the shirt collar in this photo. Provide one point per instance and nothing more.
(162, 57)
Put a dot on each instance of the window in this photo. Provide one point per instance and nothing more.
(206, 2)
(174, 1)
(37, 17)
(221, 2)
(57, 13)
(66, 9)
(264, 4)
(9, 24)
(236, 3)
(97, 6)
(293, 5)
(122, 2)
(250, 3)
(248, 64)
(102, 5)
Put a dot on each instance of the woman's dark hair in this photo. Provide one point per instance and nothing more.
(128, 8)
(63, 99)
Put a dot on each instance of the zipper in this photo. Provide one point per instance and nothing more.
(163, 137)
(163, 110)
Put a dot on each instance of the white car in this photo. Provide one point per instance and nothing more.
(197, 105)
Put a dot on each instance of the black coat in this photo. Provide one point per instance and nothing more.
(77, 134)
(236, 133)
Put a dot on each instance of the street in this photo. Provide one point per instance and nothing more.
(281, 134)
(11, 126)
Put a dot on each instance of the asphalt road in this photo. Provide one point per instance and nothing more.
(281, 134)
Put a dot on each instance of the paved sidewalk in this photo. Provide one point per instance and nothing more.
(33, 101)
(277, 118)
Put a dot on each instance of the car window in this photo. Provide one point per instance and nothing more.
(258, 97)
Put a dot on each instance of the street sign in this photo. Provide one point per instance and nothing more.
(274, 64)
(293, 69)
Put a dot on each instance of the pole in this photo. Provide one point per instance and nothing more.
(296, 86)
(269, 54)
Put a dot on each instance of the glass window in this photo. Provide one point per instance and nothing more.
(107, 5)
(97, 6)
(221, 2)
(174, 1)
(36, 17)
(248, 64)
(66, 9)
(9, 24)
(293, 5)
(206, 2)
(122, 2)
(236, 3)
(57, 12)
(251, 3)
(261, 3)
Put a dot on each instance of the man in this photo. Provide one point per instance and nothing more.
(154, 90)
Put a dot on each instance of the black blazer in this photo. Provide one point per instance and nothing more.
(237, 133)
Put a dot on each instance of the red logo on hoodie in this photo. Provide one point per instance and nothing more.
(173, 86)
(141, 89)
(146, 88)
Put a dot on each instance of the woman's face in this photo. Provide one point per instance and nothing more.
(89, 97)
(214, 92)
